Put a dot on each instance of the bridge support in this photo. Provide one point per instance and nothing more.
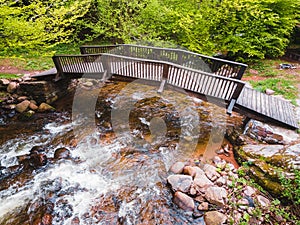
(230, 106)
(162, 86)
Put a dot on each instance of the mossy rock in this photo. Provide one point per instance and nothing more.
(264, 169)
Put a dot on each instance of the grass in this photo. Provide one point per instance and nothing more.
(8, 76)
(36, 60)
(268, 75)
(281, 86)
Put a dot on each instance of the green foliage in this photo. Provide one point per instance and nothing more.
(254, 28)
(113, 19)
(242, 29)
(291, 187)
(38, 24)
(8, 76)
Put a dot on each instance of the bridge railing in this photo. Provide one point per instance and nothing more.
(197, 81)
(181, 57)
(78, 64)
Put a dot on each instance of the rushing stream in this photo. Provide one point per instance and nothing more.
(108, 166)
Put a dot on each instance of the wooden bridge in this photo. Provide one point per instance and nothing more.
(203, 76)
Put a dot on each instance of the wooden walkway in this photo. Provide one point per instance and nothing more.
(271, 108)
(223, 85)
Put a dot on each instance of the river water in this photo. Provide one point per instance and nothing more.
(104, 156)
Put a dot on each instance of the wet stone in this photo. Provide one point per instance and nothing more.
(38, 160)
(36, 149)
(75, 221)
(264, 202)
(33, 106)
(47, 219)
(177, 167)
(12, 87)
(44, 107)
(184, 201)
(211, 172)
(214, 218)
(193, 171)
(181, 183)
(216, 195)
(22, 98)
(22, 107)
(204, 206)
(202, 181)
(62, 153)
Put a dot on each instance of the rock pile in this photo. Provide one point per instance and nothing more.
(215, 192)
(27, 96)
(263, 133)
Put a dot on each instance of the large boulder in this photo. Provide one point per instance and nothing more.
(266, 160)
(216, 195)
(181, 183)
(22, 106)
(184, 201)
(266, 133)
(44, 107)
(12, 87)
(177, 167)
(214, 218)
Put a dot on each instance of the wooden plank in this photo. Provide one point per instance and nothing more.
(290, 111)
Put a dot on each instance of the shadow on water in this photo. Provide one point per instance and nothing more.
(109, 173)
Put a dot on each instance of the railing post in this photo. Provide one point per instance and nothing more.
(106, 66)
(165, 71)
(82, 50)
(241, 72)
(165, 76)
(59, 68)
(235, 97)
(179, 59)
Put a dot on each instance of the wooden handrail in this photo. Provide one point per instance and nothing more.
(182, 57)
(197, 81)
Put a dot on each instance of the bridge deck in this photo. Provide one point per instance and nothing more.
(267, 106)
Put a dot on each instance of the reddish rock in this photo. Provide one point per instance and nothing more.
(214, 218)
(62, 153)
(4, 82)
(22, 98)
(33, 106)
(193, 171)
(44, 107)
(38, 160)
(181, 183)
(23, 106)
(202, 181)
(12, 87)
(203, 206)
(177, 167)
(254, 72)
(278, 137)
(216, 195)
(47, 219)
(211, 172)
(184, 201)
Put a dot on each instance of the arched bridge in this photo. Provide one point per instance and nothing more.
(201, 75)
